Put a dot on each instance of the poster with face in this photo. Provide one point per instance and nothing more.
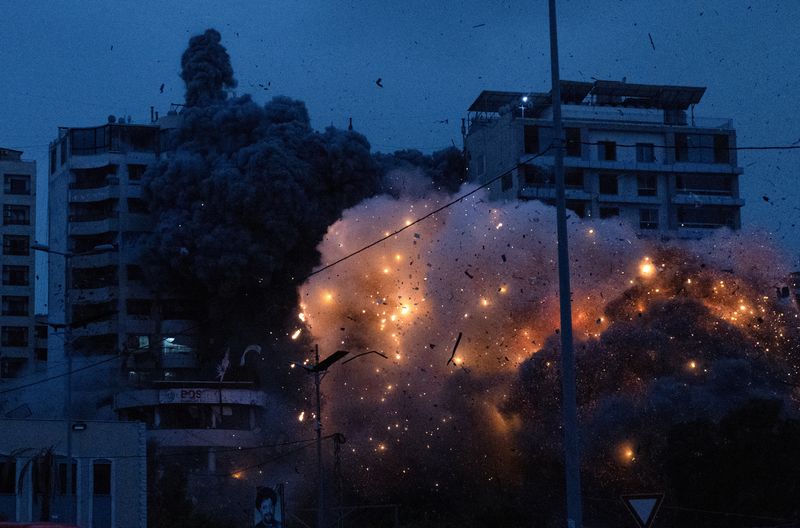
(268, 512)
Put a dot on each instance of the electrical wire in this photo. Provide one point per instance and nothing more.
(423, 218)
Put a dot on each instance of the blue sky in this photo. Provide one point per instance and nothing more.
(74, 63)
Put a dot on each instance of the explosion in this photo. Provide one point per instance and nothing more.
(464, 307)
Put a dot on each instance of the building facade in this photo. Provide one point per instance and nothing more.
(632, 151)
(109, 484)
(19, 353)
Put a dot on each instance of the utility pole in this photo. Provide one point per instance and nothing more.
(568, 403)
(320, 470)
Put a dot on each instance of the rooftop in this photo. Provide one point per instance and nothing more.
(598, 93)
(7, 154)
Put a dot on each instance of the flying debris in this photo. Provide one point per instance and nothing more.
(651, 41)
(161, 88)
(379, 82)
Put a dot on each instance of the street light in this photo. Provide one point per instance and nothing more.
(317, 368)
(67, 324)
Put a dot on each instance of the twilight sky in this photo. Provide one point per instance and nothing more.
(74, 63)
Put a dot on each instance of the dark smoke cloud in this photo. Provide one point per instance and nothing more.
(206, 69)
(246, 195)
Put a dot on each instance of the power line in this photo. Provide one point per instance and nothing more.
(423, 218)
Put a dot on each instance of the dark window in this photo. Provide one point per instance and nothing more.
(101, 481)
(16, 336)
(608, 184)
(92, 211)
(537, 176)
(17, 184)
(8, 476)
(95, 345)
(15, 276)
(91, 312)
(578, 207)
(645, 152)
(506, 182)
(40, 353)
(607, 150)
(11, 367)
(573, 178)
(573, 137)
(139, 306)
(16, 245)
(90, 278)
(531, 139)
(648, 218)
(41, 331)
(93, 178)
(721, 149)
(15, 305)
(181, 309)
(681, 147)
(706, 217)
(135, 172)
(609, 212)
(88, 243)
(16, 214)
(708, 184)
(647, 184)
(62, 478)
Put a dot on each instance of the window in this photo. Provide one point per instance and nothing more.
(531, 139)
(695, 148)
(62, 479)
(41, 331)
(608, 184)
(707, 184)
(40, 353)
(506, 181)
(16, 245)
(645, 152)
(536, 176)
(8, 476)
(16, 336)
(16, 214)
(91, 312)
(607, 150)
(101, 481)
(53, 159)
(578, 207)
(135, 272)
(90, 278)
(480, 165)
(573, 178)
(11, 367)
(15, 305)
(648, 218)
(17, 184)
(609, 212)
(135, 172)
(16, 276)
(573, 137)
(706, 217)
(721, 149)
(681, 147)
(647, 184)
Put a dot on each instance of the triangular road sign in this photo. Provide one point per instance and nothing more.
(643, 507)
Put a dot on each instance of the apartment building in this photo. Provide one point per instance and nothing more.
(632, 151)
(18, 351)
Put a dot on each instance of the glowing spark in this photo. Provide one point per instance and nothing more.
(646, 267)
(591, 231)
(484, 302)
(296, 333)
(503, 289)
(692, 364)
(386, 270)
(397, 257)
(404, 310)
(302, 317)
(328, 297)
(499, 225)
(238, 475)
(302, 416)
(458, 360)
(408, 222)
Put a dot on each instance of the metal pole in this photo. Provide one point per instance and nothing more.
(320, 472)
(68, 397)
(569, 406)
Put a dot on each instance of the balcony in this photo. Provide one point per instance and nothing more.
(83, 225)
(105, 192)
(698, 198)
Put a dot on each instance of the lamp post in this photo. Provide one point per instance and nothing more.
(568, 402)
(67, 324)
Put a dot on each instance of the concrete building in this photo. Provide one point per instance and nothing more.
(633, 151)
(109, 487)
(19, 354)
(97, 217)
